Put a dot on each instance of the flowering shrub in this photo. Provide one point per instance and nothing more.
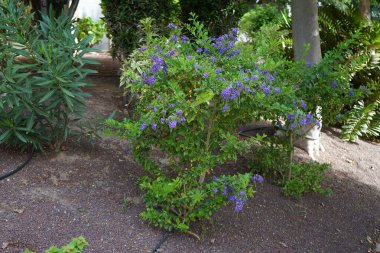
(193, 94)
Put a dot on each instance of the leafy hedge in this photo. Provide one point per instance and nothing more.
(123, 16)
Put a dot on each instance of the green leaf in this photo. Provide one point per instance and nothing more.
(203, 98)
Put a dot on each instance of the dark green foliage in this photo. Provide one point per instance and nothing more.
(77, 245)
(123, 16)
(219, 16)
(41, 78)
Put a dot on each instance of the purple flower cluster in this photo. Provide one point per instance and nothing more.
(158, 64)
(225, 44)
(257, 178)
(302, 120)
(149, 80)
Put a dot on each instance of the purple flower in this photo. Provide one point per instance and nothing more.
(338, 116)
(189, 57)
(291, 117)
(303, 121)
(179, 112)
(318, 124)
(235, 93)
(184, 38)
(246, 78)
(196, 66)
(162, 120)
(225, 108)
(154, 109)
(143, 126)
(150, 80)
(154, 126)
(224, 192)
(182, 119)
(171, 105)
(205, 75)
(241, 193)
(351, 93)
(218, 70)
(308, 64)
(293, 126)
(171, 25)
(303, 104)
(254, 77)
(234, 30)
(226, 93)
(199, 50)
(258, 178)
(143, 48)
(212, 59)
(163, 111)
(277, 90)
(215, 178)
(149, 107)
(334, 84)
(215, 190)
(126, 149)
(133, 81)
(239, 205)
(172, 124)
(266, 90)
(174, 38)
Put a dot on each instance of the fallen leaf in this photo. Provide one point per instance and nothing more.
(19, 211)
(5, 245)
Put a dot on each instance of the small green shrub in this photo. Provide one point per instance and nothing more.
(306, 177)
(193, 95)
(88, 27)
(272, 159)
(41, 78)
(77, 245)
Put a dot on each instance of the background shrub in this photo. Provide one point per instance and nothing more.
(88, 27)
(219, 16)
(123, 16)
(41, 78)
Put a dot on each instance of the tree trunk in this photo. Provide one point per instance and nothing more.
(365, 11)
(306, 30)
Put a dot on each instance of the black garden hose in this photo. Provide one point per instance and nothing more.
(164, 238)
(8, 174)
(243, 132)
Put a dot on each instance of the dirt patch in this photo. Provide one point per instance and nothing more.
(80, 192)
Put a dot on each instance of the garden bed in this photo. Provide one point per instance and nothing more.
(80, 191)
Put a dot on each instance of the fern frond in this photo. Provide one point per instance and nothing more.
(374, 126)
(359, 120)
